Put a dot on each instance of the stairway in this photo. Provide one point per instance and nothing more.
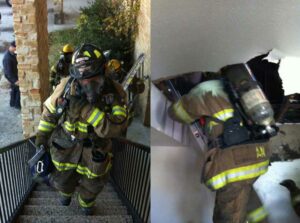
(43, 207)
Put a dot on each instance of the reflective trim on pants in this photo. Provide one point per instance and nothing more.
(257, 215)
(85, 204)
(64, 166)
(65, 194)
(237, 174)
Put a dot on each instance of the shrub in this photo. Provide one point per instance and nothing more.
(112, 25)
(109, 24)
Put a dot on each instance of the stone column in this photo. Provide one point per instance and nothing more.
(142, 45)
(30, 27)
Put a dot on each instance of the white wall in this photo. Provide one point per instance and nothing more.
(176, 193)
(208, 34)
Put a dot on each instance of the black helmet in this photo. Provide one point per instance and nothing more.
(87, 61)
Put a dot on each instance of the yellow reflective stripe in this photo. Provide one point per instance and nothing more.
(46, 126)
(65, 194)
(86, 53)
(222, 115)
(118, 110)
(64, 166)
(70, 127)
(257, 215)
(121, 113)
(85, 204)
(97, 53)
(118, 107)
(87, 172)
(49, 106)
(95, 117)
(181, 113)
(237, 174)
(82, 127)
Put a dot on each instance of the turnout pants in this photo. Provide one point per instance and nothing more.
(238, 203)
(88, 189)
(231, 172)
(75, 167)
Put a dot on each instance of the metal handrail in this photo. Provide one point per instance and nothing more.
(131, 177)
(15, 179)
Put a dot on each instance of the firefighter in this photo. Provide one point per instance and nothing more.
(115, 71)
(233, 161)
(61, 69)
(295, 194)
(80, 144)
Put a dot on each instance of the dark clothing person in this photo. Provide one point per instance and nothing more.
(11, 73)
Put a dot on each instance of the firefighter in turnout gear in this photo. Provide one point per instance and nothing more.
(115, 71)
(79, 119)
(61, 69)
(295, 194)
(233, 161)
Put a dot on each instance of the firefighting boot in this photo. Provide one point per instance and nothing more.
(87, 211)
(65, 199)
(86, 205)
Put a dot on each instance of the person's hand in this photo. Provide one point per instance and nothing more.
(17, 83)
(76, 104)
(42, 141)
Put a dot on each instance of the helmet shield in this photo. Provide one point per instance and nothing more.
(87, 61)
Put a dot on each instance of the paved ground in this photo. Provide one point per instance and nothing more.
(10, 118)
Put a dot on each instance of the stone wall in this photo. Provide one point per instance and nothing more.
(143, 46)
(30, 27)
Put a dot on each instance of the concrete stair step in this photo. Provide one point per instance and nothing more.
(55, 201)
(51, 210)
(54, 194)
(74, 219)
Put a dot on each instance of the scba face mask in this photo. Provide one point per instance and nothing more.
(92, 88)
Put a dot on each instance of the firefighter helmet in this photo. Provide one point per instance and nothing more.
(114, 65)
(87, 61)
(68, 48)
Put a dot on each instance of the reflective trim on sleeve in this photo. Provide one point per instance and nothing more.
(49, 106)
(257, 215)
(222, 115)
(85, 204)
(46, 126)
(237, 174)
(181, 113)
(118, 110)
(95, 117)
(64, 166)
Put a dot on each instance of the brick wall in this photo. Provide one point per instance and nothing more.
(30, 27)
(143, 46)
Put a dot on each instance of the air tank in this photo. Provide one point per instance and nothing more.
(247, 90)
